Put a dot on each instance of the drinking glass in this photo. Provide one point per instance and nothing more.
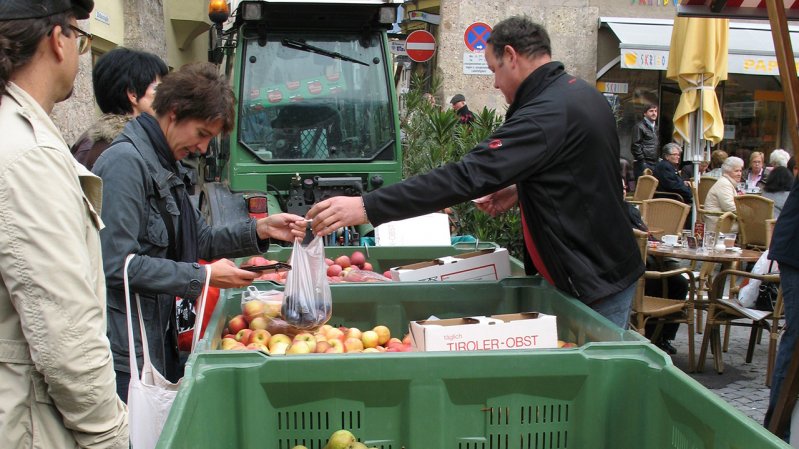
(708, 241)
(729, 239)
(686, 235)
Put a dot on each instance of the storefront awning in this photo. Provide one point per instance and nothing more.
(740, 9)
(644, 44)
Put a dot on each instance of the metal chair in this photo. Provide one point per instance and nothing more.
(644, 189)
(727, 311)
(665, 214)
(752, 212)
(663, 310)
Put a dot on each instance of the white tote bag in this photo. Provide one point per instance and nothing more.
(150, 395)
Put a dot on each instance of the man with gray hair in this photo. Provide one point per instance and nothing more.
(556, 157)
(669, 179)
(56, 372)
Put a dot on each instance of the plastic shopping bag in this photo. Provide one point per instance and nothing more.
(750, 288)
(307, 303)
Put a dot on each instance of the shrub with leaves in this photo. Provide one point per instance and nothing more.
(434, 137)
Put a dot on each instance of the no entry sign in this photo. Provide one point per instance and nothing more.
(420, 45)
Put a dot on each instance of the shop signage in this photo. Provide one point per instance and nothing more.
(613, 88)
(421, 16)
(398, 48)
(754, 65)
(644, 59)
(475, 64)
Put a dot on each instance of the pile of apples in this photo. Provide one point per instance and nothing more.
(341, 439)
(352, 268)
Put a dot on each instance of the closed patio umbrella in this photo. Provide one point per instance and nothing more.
(698, 62)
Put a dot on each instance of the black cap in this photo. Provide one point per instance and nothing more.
(33, 9)
(456, 98)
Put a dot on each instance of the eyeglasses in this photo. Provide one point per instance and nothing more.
(84, 39)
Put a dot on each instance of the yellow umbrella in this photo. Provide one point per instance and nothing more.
(698, 62)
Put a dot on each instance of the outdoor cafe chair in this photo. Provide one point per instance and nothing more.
(644, 189)
(705, 274)
(665, 215)
(662, 310)
(729, 311)
(752, 212)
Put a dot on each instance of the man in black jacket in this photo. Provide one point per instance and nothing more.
(646, 141)
(458, 103)
(669, 179)
(556, 156)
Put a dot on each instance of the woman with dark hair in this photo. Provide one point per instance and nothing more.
(777, 186)
(124, 82)
(148, 213)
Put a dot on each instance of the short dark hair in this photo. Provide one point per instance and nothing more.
(196, 91)
(525, 36)
(791, 164)
(650, 106)
(19, 40)
(123, 70)
(779, 179)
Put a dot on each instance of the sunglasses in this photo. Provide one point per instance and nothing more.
(84, 39)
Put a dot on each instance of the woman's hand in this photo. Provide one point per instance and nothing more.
(225, 274)
(286, 227)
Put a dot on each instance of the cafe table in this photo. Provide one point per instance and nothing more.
(728, 259)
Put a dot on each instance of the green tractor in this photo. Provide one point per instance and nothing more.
(317, 109)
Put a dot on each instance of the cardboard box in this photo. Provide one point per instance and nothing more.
(424, 230)
(528, 330)
(490, 264)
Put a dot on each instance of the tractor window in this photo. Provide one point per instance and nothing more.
(308, 97)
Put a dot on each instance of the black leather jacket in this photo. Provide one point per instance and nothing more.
(645, 144)
(559, 145)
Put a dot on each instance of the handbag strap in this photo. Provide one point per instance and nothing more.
(134, 367)
(198, 317)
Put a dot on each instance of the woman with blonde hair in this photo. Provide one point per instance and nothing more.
(755, 175)
(717, 157)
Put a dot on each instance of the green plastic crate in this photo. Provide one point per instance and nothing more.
(383, 258)
(369, 304)
(618, 396)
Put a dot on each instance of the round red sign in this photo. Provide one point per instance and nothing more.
(420, 45)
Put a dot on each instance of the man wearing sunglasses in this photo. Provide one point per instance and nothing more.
(57, 385)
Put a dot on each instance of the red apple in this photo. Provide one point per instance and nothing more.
(353, 344)
(253, 308)
(260, 336)
(258, 347)
(357, 259)
(367, 267)
(336, 346)
(328, 261)
(334, 270)
(343, 261)
(322, 347)
(387, 274)
(236, 324)
(243, 336)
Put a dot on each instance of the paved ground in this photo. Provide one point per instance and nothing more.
(741, 384)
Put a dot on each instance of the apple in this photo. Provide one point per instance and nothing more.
(258, 347)
(236, 324)
(299, 446)
(228, 343)
(357, 259)
(278, 339)
(335, 334)
(243, 336)
(273, 309)
(259, 322)
(279, 348)
(383, 334)
(407, 339)
(353, 344)
(393, 341)
(341, 439)
(253, 308)
(307, 338)
(343, 261)
(353, 332)
(260, 336)
(322, 346)
(336, 346)
(324, 328)
(369, 339)
(328, 261)
(299, 347)
(387, 274)
(569, 344)
(357, 445)
(371, 350)
(367, 267)
(229, 336)
(334, 270)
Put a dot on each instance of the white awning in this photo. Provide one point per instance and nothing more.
(644, 44)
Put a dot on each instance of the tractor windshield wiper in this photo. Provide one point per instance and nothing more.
(297, 45)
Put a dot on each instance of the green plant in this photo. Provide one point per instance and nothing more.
(433, 137)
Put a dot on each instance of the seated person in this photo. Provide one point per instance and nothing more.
(721, 197)
(777, 186)
(676, 286)
(717, 158)
(669, 179)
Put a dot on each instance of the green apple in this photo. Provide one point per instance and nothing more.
(369, 339)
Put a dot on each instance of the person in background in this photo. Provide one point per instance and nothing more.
(779, 158)
(148, 213)
(754, 176)
(721, 197)
(124, 82)
(556, 156)
(784, 249)
(646, 141)
(430, 99)
(676, 286)
(627, 175)
(56, 376)
(458, 103)
(669, 179)
(717, 158)
(687, 170)
(791, 166)
(777, 186)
